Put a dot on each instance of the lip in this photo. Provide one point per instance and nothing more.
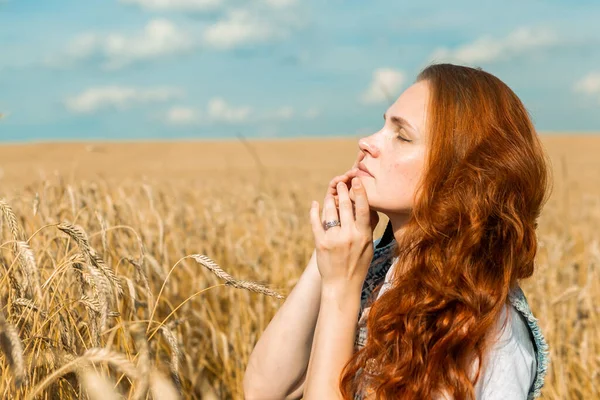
(363, 168)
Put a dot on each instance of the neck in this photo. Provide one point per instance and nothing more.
(398, 223)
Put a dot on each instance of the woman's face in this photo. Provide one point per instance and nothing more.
(395, 165)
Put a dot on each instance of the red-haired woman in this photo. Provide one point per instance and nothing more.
(462, 176)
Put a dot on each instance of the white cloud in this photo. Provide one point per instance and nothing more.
(259, 23)
(219, 110)
(118, 97)
(182, 115)
(281, 113)
(177, 5)
(488, 49)
(385, 85)
(159, 38)
(197, 5)
(287, 112)
(241, 27)
(280, 3)
(312, 113)
(589, 84)
(84, 46)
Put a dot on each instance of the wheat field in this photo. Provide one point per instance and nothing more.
(149, 270)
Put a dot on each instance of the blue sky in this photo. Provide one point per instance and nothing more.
(176, 69)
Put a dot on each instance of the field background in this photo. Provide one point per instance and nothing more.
(245, 206)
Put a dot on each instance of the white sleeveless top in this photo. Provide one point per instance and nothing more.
(511, 364)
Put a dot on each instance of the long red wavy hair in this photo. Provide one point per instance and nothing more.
(470, 238)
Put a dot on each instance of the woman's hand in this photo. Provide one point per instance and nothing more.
(344, 252)
(346, 178)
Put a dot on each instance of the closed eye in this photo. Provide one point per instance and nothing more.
(398, 123)
(402, 137)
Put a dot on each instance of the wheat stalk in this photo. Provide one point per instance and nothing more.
(94, 355)
(244, 231)
(98, 387)
(11, 219)
(80, 237)
(161, 388)
(36, 204)
(13, 350)
(141, 275)
(30, 271)
(230, 281)
(175, 355)
(143, 364)
(27, 303)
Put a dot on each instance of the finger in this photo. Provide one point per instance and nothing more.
(315, 222)
(324, 213)
(348, 178)
(331, 191)
(331, 213)
(362, 205)
(333, 184)
(349, 175)
(337, 207)
(352, 175)
(346, 213)
(332, 188)
(374, 217)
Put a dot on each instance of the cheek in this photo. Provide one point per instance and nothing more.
(406, 171)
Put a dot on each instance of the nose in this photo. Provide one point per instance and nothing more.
(367, 145)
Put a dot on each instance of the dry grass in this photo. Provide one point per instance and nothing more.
(152, 269)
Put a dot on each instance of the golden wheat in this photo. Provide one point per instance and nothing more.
(130, 283)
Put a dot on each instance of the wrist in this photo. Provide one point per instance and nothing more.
(346, 292)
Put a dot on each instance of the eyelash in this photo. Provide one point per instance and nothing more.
(401, 138)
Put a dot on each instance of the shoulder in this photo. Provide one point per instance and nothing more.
(510, 366)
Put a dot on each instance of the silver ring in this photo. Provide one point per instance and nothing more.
(331, 224)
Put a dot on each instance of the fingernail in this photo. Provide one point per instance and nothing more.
(356, 182)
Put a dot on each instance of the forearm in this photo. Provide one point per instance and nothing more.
(283, 349)
(333, 342)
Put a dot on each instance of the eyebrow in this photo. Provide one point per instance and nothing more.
(399, 121)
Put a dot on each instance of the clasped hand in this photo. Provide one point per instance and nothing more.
(344, 252)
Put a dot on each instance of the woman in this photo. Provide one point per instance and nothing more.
(462, 176)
